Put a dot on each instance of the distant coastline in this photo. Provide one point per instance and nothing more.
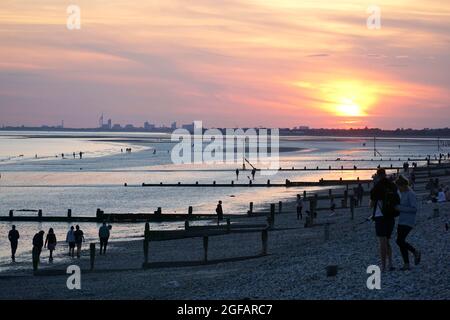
(361, 132)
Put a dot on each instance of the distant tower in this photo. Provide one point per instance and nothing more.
(100, 121)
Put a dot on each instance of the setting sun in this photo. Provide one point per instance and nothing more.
(349, 98)
(349, 108)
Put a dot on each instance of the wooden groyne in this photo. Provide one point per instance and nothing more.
(287, 183)
(100, 217)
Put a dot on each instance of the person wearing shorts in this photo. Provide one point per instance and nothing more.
(70, 239)
(79, 238)
(384, 225)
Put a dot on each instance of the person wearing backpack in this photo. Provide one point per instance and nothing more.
(384, 198)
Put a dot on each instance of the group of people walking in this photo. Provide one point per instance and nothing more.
(74, 239)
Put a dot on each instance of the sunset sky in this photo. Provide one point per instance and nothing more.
(276, 63)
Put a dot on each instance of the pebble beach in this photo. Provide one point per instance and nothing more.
(294, 268)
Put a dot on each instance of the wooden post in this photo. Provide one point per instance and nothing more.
(40, 213)
(92, 251)
(352, 207)
(11, 213)
(280, 207)
(304, 195)
(69, 213)
(345, 203)
(268, 182)
(186, 225)
(205, 248)
(250, 210)
(232, 182)
(264, 237)
(310, 218)
(190, 210)
(146, 242)
(272, 215)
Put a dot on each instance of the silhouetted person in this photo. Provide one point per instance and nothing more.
(103, 234)
(332, 207)
(237, 174)
(50, 243)
(299, 207)
(79, 238)
(13, 237)
(74, 155)
(406, 221)
(38, 243)
(253, 173)
(81, 155)
(219, 211)
(70, 239)
(384, 198)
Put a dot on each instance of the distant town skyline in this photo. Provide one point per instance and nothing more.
(234, 63)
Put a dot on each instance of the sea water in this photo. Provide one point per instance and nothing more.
(35, 176)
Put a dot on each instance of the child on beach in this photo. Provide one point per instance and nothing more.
(406, 221)
(50, 243)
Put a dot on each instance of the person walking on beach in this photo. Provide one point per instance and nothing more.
(79, 238)
(50, 243)
(237, 174)
(219, 212)
(13, 237)
(332, 207)
(299, 207)
(103, 234)
(38, 243)
(406, 221)
(70, 239)
(253, 173)
(384, 199)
